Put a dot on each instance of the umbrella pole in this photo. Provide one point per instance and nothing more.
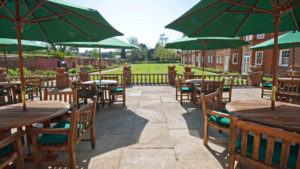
(275, 58)
(293, 66)
(99, 63)
(5, 60)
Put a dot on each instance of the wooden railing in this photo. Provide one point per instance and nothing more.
(142, 79)
(239, 80)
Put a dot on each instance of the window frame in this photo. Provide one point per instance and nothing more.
(237, 58)
(258, 35)
(280, 58)
(221, 59)
(262, 57)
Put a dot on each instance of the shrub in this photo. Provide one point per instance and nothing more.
(73, 71)
(90, 67)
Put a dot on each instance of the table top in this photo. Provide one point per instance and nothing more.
(285, 115)
(102, 82)
(12, 116)
(10, 83)
(198, 80)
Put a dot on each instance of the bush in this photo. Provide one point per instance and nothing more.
(16, 72)
(44, 72)
(73, 71)
(90, 67)
(58, 54)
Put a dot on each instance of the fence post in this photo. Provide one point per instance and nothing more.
(188, 74)
(127, 74)
(171, 74)
(254, 77)
(84, 74)
(62, 78)
(3, 75)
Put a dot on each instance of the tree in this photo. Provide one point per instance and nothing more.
(143, 51)
(95, 53)
(133, 40)
(162, 54)
(163, 39)
(123, 54)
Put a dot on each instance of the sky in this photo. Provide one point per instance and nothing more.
(143, 19)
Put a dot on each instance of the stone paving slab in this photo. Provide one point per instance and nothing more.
(153, 131)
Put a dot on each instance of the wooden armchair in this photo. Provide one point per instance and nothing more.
(64, 136)
(288, 90)
(33, 85)
(11, 149)
(5, 92)
(209, 86)
(117, 90)
(85, 92)
(184, 89)
(214, 115)
(266, 87)
(227, 87)
(266, 147)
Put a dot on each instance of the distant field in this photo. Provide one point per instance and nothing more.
(156, 68)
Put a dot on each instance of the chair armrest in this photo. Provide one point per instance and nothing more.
(35, 130)
(213, 112)
(10, 139)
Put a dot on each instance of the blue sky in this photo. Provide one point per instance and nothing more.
(144, 19)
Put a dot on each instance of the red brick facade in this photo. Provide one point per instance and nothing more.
(241, 59)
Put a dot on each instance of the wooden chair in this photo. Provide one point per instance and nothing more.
(184, 89)
(214, 115)
(266, 87)
(266, 147)
(117, 90)
(288, 91)
(227, 87)
(11, 149)
(64, 136)
(208, 86)
(5, 93)
(33, 85)
(85, 92)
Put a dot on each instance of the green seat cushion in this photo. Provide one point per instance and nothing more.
(262, 151)
(196, 84)
(187, 89)
(5, 150)
(3, 93)
(220, 120)
(198, 91)
(84, 94)
(100, 93)
(268, 85)
(226, 88)
(26, 90)
(117, 90)
(55, 138)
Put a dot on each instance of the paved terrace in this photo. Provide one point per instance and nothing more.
(153, 132)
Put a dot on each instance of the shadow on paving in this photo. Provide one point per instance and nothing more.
(113, 125)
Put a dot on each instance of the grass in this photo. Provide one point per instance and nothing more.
(156, 68)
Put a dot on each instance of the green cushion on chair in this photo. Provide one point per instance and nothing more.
(100, 93)
(5, 150)
(262, 151)
(117, 90)
(3, 93)
(187, 89)
(196, 84)
(198, 91)
(226, 88)
(55, 138)
(26, 90)
(268, 85)
(220, 120)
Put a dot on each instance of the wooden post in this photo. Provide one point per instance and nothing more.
(18, 27)
(99, 63)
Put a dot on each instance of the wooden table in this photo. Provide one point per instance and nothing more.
(10, 83)
(12, 116)
(285, 116)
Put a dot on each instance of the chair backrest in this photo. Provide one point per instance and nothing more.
(178, 84)
(33, 82)
(228, 81)
(85, 90)
(208, 86)
(290, 86)
(211, 101)
(81, 121)
(66, 96)
(265, 147)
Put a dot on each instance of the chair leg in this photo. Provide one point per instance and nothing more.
(176, 94)
(230, 96)
(37, 153)
(21, 164)
(262, 93)
(180, 98)
(205, 132)
(93, 141)
(72, 158)
(124, 99)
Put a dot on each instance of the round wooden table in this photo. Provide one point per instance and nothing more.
(285, 116)
(12, 116)
(16, 83)
(102, 82)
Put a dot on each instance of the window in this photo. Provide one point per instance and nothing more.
(208, 59)
(248, 37)
(259, 58)
(185, 59)
(260, 36)
(284, 57)
(212, 59)
(221, 59)
(217, 59)
(235, 58)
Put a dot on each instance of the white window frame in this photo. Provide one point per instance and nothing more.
(217, 60)
(260, 36)
(262, 57)
(237, 58)
(248, 37)
(221, 59)
(280, 57)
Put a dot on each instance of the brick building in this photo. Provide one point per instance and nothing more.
(241, 59)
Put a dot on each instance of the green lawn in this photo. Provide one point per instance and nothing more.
(156, 68)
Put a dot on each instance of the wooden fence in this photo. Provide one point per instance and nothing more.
(142, 79)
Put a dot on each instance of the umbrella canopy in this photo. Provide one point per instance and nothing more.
(50, 21)
(210, 43)
(27, 45)
(54, 21)
(231, 18)
(288, 40)
(107, 43)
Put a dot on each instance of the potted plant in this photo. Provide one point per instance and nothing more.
(187, 69)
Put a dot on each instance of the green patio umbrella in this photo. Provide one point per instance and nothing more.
(12, 45)
(205, 43)
(107, 43)
(285, 41)
(50, 21)
(231, 18)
